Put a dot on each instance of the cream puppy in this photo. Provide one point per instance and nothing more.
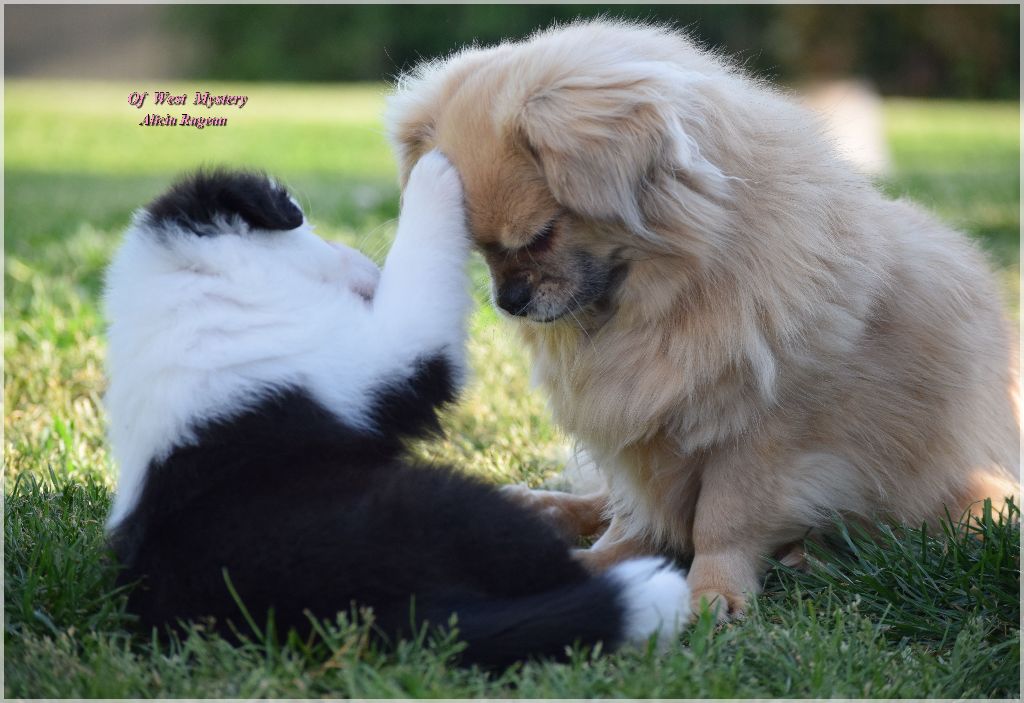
(743, 332)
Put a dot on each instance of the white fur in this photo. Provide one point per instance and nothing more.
(657, 600)
(199, 326)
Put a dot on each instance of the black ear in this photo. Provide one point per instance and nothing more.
(202, 197)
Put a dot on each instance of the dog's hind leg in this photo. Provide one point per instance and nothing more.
(574, 515)
(616, 545)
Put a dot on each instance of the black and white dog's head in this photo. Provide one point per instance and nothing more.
(201, 200)
(236, 224)
(220, 290)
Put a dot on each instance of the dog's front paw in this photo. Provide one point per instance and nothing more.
(725, 606)
(434, 186)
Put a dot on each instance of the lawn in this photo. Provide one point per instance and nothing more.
(908, 615)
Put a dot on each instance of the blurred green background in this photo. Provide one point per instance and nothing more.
(926, 50)
(965, 51)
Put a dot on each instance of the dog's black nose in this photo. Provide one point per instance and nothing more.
(514, 296)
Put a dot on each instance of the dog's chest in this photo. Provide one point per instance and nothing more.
(612, 404)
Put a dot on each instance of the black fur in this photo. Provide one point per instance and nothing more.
(306, 512)
(196, 200)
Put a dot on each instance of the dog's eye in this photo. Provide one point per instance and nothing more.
(542, 240)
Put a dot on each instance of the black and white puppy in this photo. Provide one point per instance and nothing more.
(262, 383)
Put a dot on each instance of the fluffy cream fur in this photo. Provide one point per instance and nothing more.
(786, 342)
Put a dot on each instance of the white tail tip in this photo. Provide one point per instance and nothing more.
(656, 600)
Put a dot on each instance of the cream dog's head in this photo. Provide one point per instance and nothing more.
(583, 150)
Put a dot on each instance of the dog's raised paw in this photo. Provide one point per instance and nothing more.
(435, 178)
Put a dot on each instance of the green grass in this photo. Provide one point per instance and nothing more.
(903, 615)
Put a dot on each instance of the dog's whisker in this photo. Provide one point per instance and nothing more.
(583, 329)
(379, 245)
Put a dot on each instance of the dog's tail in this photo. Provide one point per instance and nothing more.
(631, 603)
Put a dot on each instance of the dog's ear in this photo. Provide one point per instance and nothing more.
(604, 138)
(410, 115)
(197, 200)
(410, 134)
(413, 107)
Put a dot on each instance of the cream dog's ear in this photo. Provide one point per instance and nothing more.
(410, 116)
(604, 138)
(419, 95)
(410, 124)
